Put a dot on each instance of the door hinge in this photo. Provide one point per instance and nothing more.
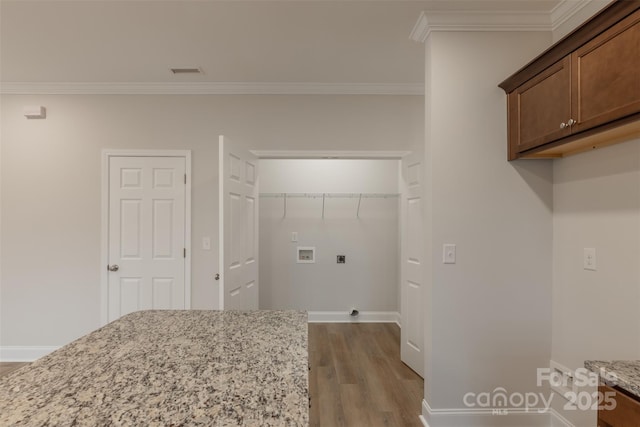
(185, 178)
(184, 252)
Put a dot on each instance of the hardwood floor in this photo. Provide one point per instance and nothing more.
(7, 367)
(357, 378)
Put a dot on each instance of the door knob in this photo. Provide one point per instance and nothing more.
(113, 267)
(217, 276)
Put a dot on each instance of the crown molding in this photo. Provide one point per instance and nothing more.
(565, 10)
(494, 20)
(430, 21)
(420, 30)
(211, 88)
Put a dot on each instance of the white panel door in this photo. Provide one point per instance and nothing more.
(412, 263)
(146, 234)
(238, 252)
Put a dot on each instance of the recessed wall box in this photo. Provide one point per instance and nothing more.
(306, 255)
(35, 112)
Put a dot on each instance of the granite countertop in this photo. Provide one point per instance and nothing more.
(170, 368)
(622, 373)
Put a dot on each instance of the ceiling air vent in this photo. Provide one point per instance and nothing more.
(189, 70)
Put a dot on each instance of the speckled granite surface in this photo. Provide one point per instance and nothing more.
(170, 368)
(623, 373)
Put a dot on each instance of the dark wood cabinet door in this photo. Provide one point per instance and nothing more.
(606, 76)
(624, 413)
(539, 107)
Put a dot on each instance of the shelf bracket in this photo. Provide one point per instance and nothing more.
(284, 197)
(359, 200)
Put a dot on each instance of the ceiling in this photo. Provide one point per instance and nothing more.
(335, 42)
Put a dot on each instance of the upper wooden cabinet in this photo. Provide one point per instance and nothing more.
(606, 75)
(540, 109)
(583, 92)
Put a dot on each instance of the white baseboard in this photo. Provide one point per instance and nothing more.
(363, 317)
(24, 354)
(557, 420)
(483, 417)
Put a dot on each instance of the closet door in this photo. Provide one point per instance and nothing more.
(412, 264)
(238, 179)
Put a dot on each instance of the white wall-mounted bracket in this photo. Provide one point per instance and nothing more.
(35, 112)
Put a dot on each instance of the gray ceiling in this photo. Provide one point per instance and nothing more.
(232, 41)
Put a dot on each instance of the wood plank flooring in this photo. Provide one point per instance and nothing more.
(357, 378)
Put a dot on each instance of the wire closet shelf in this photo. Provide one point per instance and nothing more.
(325, 196)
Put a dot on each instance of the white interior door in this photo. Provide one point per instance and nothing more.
(412, 264)
(146, 234)
(238, 194)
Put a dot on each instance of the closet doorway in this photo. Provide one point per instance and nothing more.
(341, 238)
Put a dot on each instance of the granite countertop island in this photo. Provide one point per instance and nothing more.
(170, 368)
(622, 373)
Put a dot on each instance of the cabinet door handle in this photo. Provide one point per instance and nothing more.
(571, 122)
(563, 125)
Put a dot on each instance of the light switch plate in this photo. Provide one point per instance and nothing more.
(206, 243)
(589, 259)
(294, 236)
(449, 253)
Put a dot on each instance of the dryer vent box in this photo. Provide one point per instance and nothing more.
(306, 255)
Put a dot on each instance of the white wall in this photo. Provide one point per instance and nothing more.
(369, 279)
(596, 314)
(488, 317)
(50, 177)
(328, 176)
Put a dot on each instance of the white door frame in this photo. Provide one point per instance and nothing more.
(104, 238)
